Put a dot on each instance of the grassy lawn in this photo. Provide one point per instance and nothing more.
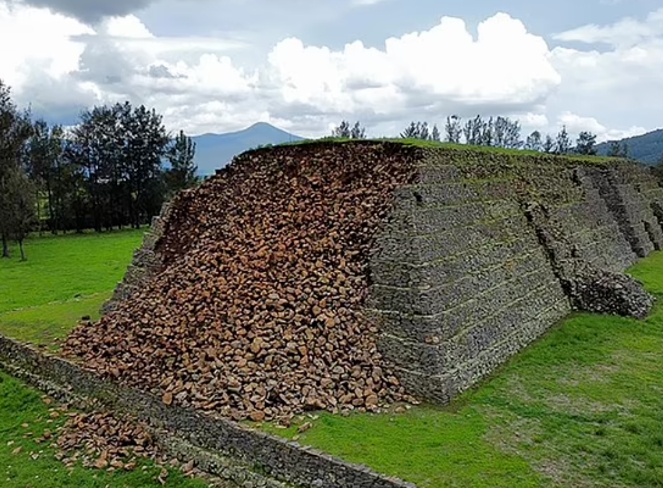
(64, 278)
(582, 408)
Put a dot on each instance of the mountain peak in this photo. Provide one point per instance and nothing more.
(214, 151)
(262, 124)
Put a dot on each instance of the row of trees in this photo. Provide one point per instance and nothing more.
(496, 132)
(107, 172)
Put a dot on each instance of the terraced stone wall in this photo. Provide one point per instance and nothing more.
(622, 188)
(460, 278)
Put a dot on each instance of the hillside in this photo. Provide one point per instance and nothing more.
(647, 148)
(213, 151)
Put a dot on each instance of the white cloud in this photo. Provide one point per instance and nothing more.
(575, 124)
(533, 121)
(505, 66)
(203, 85)
(310, 86)
(627, 32)
(35, 40)
(620, 86)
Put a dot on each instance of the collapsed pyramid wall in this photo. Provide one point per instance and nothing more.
(460, 276)
(461, 279)
(252, 309)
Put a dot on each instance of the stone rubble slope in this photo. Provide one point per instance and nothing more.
(256, 310)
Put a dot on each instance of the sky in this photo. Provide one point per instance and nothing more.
(306, 65)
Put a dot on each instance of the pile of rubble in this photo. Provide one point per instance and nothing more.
(256, 312)
(100, 440)
(590, 289)
(600, 291)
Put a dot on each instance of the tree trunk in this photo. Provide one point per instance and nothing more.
(20, 245)
(5, 247)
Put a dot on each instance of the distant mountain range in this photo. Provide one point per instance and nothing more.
(646, 148)
(214, 151)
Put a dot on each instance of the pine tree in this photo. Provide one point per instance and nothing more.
(562, 142)
(549, 144)
(453, 129)
(586, 143)
(417, 130)
(435, 134)
(358, 132)
(534, 142)
(182, 171)
(342, 131)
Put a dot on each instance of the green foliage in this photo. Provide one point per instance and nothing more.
(182, 171)
(344, 131)
(46, 171)
(417, 130)
(117, 151)
(16, 192)
(500, 132)
(435, 134)
(534, 142)
(19, 206)
(453, 129)
(586, 143)
(617, 149)
(581, 407)
(562, 142)
(548, 144)
(106, 172)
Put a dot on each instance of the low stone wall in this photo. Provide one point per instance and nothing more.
(247, 457)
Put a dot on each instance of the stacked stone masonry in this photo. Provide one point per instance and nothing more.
(460, 278)
(145, 261)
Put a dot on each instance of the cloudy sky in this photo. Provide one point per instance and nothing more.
(304, 65)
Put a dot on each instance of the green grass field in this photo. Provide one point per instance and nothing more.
(580, 408)
(64, 279)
